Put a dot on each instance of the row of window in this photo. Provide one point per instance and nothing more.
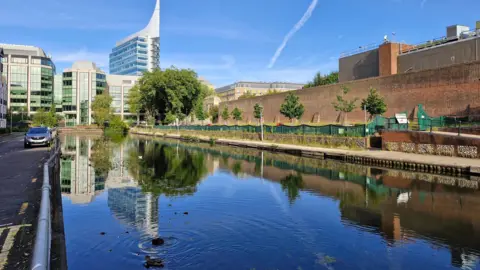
(24, 60)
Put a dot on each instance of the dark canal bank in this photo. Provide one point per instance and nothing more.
(220, 207)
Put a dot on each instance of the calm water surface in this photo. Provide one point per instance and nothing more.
(233, 208)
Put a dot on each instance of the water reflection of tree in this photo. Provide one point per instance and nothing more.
(292, 185)
(237, 167)
(166, 170)
(101, 157)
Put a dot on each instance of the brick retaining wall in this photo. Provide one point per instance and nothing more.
(430, 144)
(454, 90)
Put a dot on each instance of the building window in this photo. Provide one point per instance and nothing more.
(36, 61)
(20, 60)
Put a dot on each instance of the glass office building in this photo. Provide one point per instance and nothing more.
(138, 52)
(119, 87)
(29, 73)
(81, 84)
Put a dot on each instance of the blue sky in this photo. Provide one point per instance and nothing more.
(230, 40)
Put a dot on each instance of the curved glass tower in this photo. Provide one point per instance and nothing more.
(138, 52)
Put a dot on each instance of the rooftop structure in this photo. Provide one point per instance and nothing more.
(29, 72)
(459, 45)
(237, 89)
(138, 52)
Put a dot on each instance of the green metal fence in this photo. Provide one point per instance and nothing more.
(331, 130)
(425, 122)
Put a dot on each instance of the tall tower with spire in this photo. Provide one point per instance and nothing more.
(138, 52)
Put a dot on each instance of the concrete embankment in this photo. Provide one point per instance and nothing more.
(398, 160)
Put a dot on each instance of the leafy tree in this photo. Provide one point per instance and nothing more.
(199, 112)
(320, 79)
(213, 112)
(374, 103)
(343, 105)
(171, 93)
(257, 111)
(117, 124)
(102, 108)
(43, 118)
(40, 118)
(247, 94)
(237, 114)
(292, 108)
(52, 116)
(23, 110)
(225, 114)
(135, 102)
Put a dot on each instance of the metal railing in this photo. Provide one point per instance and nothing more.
(43, 239)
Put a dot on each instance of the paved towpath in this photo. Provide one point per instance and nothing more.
(472, 164)
(21, 173)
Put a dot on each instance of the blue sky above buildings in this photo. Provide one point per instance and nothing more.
(230, 40)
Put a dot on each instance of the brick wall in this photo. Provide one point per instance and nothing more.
(452, 90)
(431, 143)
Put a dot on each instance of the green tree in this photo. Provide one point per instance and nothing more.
(247, 94)
(343, 105)
(292, 108)
(102, 108)
(41, 118)
(135, 102)
(117, 124)
(237, 114)
(213, 112)
(225, 114)
(200, 114)
(257, 111)
(171, 93)
(52, 116)
(320, 79)
(374, 103)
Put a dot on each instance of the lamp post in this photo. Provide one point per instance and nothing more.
(366, 129)
(261, 124)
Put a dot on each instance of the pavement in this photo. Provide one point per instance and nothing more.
(456, 134)
(21, 173)
(471, 164)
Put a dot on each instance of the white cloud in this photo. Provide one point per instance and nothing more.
(100, 59)
(240, 33)
(292, 32)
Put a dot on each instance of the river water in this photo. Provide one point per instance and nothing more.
(219, 207)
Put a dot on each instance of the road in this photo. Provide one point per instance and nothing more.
(21, 173)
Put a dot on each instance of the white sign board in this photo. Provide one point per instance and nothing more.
(401, 118)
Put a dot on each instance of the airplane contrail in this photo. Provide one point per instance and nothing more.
(292, 32)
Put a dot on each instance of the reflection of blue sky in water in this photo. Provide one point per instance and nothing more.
(339, 220)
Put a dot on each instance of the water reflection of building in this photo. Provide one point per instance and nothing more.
(78, 179)
(135, 208)
(400, 206)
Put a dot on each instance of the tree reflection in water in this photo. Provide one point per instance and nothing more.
(162, 169)
(101, 157)
(292, 185)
